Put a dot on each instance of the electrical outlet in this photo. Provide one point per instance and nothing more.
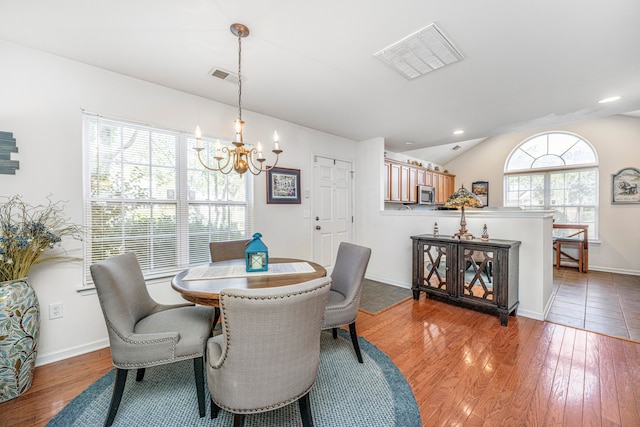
(55, 310)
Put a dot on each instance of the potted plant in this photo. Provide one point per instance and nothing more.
(29, 235)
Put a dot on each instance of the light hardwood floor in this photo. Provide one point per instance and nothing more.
(463, 367)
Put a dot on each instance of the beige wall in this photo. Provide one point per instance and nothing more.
(617, 143)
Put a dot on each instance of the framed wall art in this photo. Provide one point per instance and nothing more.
(481, 189)
(283, 186)
(624, 186)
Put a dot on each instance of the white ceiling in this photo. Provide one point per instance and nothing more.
(527, 63)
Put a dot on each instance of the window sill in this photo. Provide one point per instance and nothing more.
(158, 278)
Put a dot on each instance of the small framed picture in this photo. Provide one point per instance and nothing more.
(283, 186)
(624, 186)
(481, 189)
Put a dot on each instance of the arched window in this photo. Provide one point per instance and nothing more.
(555, 170)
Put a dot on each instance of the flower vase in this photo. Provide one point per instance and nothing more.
(19, 331)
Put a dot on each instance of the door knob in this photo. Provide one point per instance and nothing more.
(318, 227)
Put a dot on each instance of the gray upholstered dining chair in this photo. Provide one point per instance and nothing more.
(230, 249)
(143, 333)
(346, 287)
(269, 351)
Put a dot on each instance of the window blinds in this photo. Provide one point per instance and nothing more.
(146, 192)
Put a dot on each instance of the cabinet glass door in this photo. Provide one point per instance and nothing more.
(477, 266)
(435, 266)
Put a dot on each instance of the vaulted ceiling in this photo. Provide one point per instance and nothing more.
(526, 64)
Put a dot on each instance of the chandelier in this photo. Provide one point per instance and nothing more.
(238, 157)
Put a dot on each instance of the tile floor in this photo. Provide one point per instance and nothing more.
(597, 301)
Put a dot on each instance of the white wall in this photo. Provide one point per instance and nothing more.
(615, 139)
(41, 102)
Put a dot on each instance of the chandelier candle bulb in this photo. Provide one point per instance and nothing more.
(218, 149)
(260, 151)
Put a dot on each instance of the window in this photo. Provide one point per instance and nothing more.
(558, 171)
(146, 192)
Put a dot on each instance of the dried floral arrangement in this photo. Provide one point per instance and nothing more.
(29, 235)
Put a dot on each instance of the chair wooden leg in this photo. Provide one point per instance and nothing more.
(238, 420)
(214, 410)
(116, 397)
(305, 410)
(140, 374)
(198, 370)
(334, 332)
(354, 340)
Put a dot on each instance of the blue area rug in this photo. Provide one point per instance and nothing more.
(346, 393)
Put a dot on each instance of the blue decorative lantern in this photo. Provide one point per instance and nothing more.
(257, 254)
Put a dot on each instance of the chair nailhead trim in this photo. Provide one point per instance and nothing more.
(227, 331)
(264, 408)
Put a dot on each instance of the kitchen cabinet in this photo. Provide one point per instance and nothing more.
(387, 187)
(399, 183)
(476, 274)
(413, 185)
(403, 179)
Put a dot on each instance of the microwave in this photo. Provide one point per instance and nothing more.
(426, 195)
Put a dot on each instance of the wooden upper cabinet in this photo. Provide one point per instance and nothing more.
(449, 187)
(413, 185)
(387, 181)
(428, 178)
(403, 180)
(395, 182)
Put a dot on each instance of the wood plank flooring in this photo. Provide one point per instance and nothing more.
(463, 367)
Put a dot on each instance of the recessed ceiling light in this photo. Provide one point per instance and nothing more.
(610, 99)
(458, 132)
(409, 142)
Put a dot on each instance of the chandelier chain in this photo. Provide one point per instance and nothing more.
(240, 75)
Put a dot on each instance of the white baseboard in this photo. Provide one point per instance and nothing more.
(614, 270)
(389, 281)
(71, 352)
(530, 314)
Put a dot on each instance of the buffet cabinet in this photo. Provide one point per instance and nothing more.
(477, 274)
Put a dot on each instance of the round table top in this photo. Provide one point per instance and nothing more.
(207, 291)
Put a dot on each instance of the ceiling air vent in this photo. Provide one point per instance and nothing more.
(223, 74)
(420, 53)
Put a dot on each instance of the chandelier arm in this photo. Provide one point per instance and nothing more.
(274, 163)
(219, 168)
(222, 168)
(266, 168)
(253, 168)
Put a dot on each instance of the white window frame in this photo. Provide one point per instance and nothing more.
(183, 200)
(547, 172)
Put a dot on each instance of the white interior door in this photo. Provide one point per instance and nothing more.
(332, 208)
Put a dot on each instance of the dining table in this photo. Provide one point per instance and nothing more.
(202, 284)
